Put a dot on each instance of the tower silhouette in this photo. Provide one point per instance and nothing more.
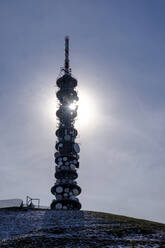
(66, 189)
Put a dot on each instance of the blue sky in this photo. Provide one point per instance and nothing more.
(117, 54)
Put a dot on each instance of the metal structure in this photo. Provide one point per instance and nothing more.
(30, 202)
(66, 189)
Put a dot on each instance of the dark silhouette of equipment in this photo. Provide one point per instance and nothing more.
(66, 189)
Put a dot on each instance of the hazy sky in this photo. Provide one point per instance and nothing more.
(117, 54)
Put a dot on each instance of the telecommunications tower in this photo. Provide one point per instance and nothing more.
(66, 189)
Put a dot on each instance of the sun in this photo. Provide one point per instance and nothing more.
(73, 106)
(86, 110)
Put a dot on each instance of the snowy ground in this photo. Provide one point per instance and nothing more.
(48, 228)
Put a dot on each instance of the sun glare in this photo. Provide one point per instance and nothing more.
(86, 110)
(51, 108)
(72, 106)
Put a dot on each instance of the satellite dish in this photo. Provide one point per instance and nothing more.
(65, 207)
(65, 158)
(72, 197)
(76, 148)
(73, 167)
(60, 163)
(66, 190)
(57, 154)
(60, 159)
(58, 206)
(59, 189)
(76, 156)
(59, 197)
(75, 192)
(65, 195)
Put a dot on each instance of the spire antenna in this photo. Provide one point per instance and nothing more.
(66, 65)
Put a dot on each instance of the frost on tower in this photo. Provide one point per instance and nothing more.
(66, 189)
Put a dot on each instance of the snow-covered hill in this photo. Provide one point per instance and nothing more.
(48, 228)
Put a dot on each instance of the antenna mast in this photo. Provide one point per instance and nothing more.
(66, 65)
